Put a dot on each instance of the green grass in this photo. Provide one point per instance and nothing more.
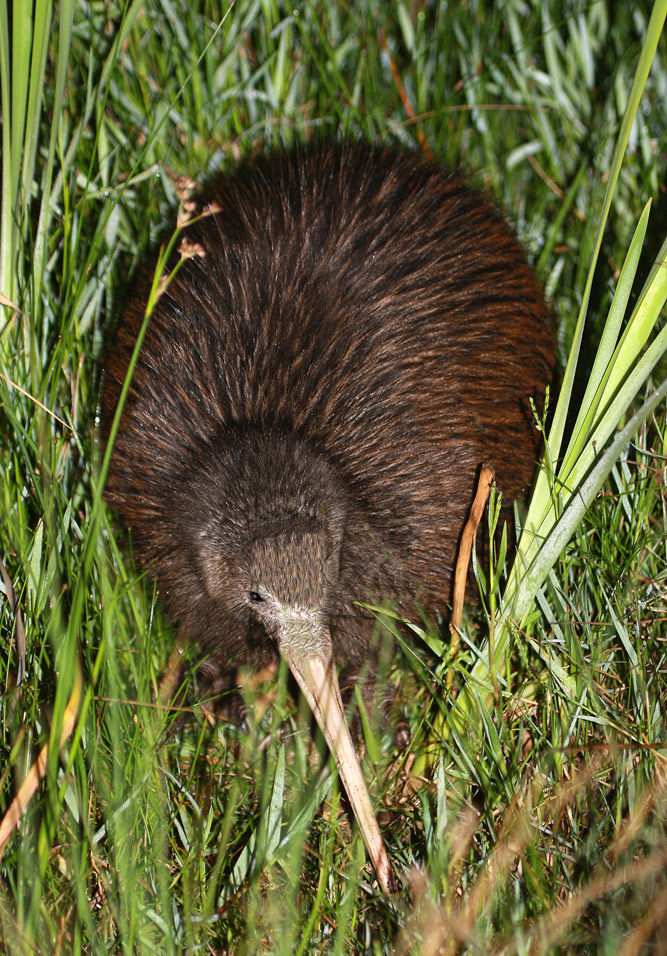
(527, 812)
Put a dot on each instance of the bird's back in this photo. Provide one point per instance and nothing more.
(370, 306)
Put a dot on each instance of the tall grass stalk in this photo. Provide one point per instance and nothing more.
(567, 486)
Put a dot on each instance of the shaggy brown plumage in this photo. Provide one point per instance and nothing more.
(315, 393)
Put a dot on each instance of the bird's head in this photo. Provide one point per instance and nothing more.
(268, 549)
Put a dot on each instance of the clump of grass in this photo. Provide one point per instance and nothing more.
(537, 821)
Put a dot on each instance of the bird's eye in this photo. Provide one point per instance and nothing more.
(255, 597)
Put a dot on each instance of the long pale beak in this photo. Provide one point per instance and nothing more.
(318, 681)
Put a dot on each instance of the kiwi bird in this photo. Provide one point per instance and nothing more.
(349, 334)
